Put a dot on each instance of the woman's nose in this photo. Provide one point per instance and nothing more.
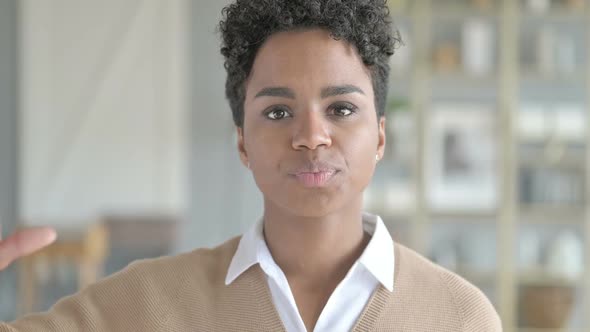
(311, 131)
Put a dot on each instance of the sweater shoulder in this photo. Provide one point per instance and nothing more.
(473, 308)
(477, 311)
(200, 261)
(143, 296)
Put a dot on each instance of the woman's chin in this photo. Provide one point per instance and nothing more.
(312, 207)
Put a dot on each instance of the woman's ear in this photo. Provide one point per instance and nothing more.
(381, 138)
(242, 147)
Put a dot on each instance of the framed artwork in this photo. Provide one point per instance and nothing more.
(461, 167)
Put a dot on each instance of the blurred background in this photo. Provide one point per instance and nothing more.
(114, 129)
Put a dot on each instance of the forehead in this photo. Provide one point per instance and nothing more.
(309, 58)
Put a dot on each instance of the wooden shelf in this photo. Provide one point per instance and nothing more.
(459, 13)
(559, 14)
(532, 329)
(401, 214)
(463, 215)
(539, 277)
(476, 276)
(462, 77)
(558, 214)
(567, 161)
(529, 74)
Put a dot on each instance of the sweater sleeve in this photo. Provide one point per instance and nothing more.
(129, 300)
(478, 314)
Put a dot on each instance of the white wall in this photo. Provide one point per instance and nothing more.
(8, 145)
(103, 100)
(8, 116)
(224, 200)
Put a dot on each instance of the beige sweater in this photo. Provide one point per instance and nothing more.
(187, 293)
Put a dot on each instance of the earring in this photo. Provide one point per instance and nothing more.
(377, 157)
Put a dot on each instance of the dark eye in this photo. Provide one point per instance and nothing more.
(343, 110)
(277, 113)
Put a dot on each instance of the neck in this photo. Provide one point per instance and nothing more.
(315, 250)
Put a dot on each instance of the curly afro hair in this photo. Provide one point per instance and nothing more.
(246, 24)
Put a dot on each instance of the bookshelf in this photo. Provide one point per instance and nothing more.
(488, 166)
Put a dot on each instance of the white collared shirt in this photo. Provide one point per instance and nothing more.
(375, 266)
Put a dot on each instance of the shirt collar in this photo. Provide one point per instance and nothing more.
(378, 257)
(247, 253)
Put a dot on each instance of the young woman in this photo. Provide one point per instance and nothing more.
(307, 85)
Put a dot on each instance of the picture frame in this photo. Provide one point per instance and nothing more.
(461, 173)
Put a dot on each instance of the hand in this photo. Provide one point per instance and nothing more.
(24, 242)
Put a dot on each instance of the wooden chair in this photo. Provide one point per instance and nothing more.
(86, 249)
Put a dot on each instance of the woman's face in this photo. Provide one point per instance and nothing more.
(311, 134)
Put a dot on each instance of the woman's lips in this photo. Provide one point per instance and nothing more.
(315, 179)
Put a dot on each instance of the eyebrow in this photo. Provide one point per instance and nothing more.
(276, 92)
(340, 90)
(326, 92)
